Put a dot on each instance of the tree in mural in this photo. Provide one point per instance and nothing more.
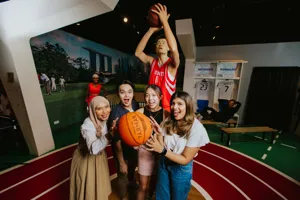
(83, 69)
(49, 58)
(52, 59)
(80, 63)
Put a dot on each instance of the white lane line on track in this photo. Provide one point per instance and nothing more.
(264, 156)
(232, 184)
(57, 185)
(259, 162)
(37, 174)
(282, 144)
(24, 180)
(35, 159)
(269, 148)
(279, 194)
(52, 188)
(201, 190)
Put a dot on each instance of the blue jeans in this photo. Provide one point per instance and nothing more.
(201, 105)
(174, 180)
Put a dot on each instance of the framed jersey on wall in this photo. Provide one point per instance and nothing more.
(217, 80)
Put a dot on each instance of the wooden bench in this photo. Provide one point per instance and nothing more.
(242, 130)
(229, 122)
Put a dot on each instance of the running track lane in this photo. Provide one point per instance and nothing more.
(37, 165)
(59, 193)
(202, 173)
(288, 188)
(44, 180)
(16, 175)
(217, 187)
(62, 191)
(41, 182)
(38, 184)
(248, 184)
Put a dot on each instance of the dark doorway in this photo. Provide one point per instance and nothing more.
(271, 97)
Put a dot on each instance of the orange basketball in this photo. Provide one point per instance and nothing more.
(135, 128)
(153, 18)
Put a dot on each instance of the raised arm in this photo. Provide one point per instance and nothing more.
(95, 144)
(164, 16)
(139, 52)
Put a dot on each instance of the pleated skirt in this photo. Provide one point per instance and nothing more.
(89, 178)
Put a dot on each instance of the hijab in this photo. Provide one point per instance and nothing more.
(92, 109)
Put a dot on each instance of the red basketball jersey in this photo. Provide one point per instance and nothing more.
(159, 75)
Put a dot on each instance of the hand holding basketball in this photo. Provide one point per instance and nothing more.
(153, 144)
(112, 129)
(161, 11)
(135, 128)
(155, 126)
(157, 16)
(113, 126)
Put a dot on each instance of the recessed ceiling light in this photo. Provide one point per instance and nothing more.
(138, 32)
(214, 37)
(217, 26)
(78, 24)
(125, 19)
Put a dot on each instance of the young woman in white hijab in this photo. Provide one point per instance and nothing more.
(89, 169)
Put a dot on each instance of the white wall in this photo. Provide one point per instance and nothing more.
(20, 21)
(272, 54)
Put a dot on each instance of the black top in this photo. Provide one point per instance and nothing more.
(158, 115)
(119, 111)
(227, 112)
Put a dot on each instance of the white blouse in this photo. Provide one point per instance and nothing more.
(94, 144)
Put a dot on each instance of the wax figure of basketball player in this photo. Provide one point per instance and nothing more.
(163, 68)
(89, 176)
(147, 161)
(125, 156)
(183, 135)
(223, 116)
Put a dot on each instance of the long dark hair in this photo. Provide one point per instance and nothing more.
(156, 89)
(181, 127)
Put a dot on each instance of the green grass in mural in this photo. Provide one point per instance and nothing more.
(66, 112)
(62, 96)
(66, 136)
(69, 107)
